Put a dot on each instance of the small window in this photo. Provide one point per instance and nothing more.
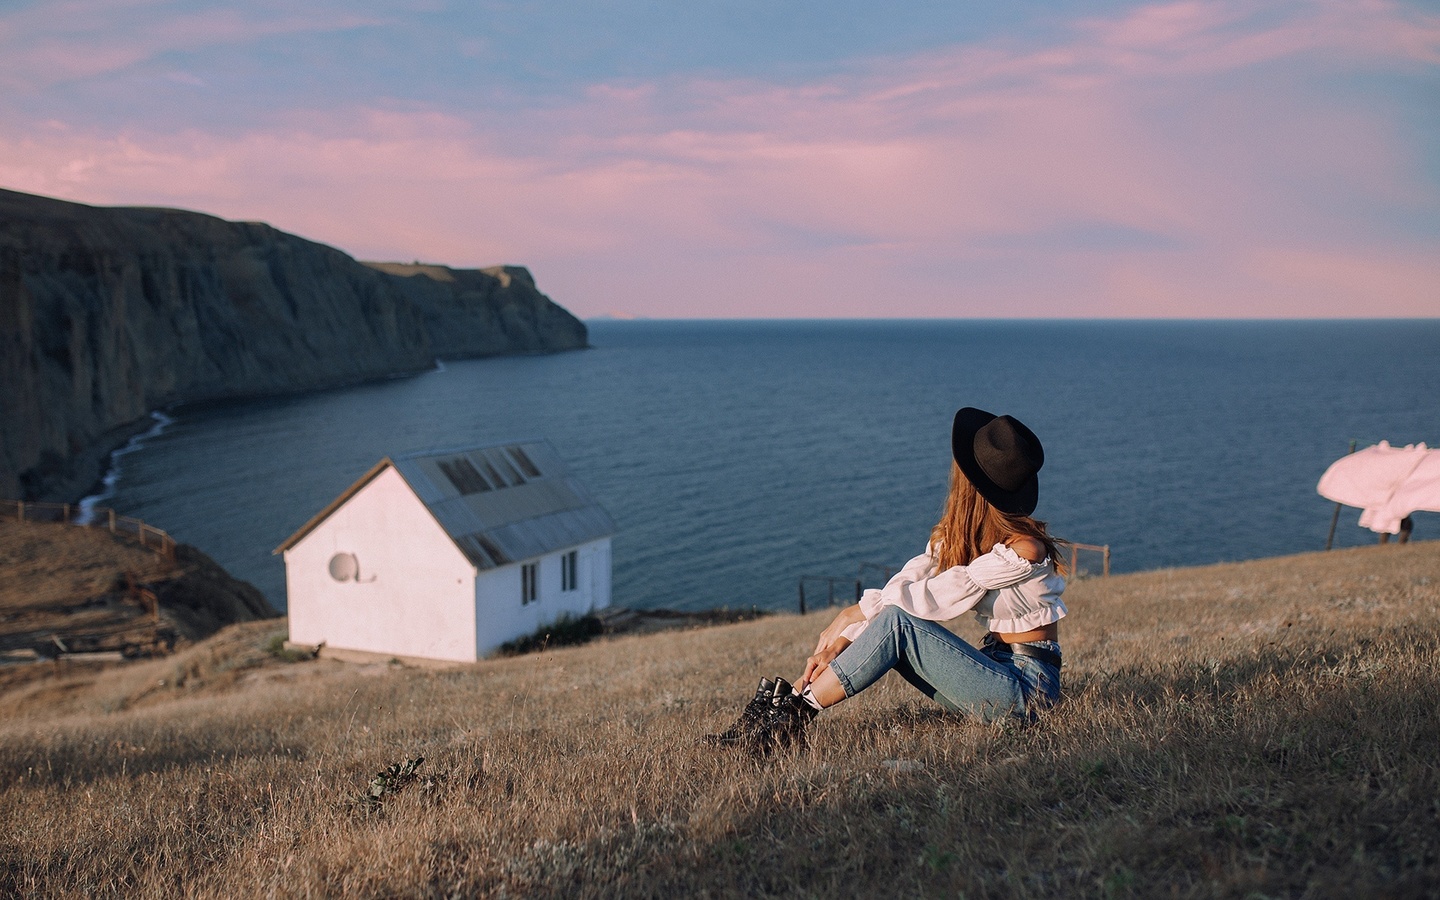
(569, 569)
(529, 586)
(494, 475)
(526, 464)
(464, 476)
(515, 478)
(489, 547)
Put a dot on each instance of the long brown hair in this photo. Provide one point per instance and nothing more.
(971, 527)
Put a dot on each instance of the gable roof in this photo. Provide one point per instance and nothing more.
(499, 504)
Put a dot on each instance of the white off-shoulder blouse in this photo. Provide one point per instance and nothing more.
(1008, 593)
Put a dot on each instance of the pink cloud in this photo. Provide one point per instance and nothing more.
(60, 42)
(1111, 174)
(1194, 37)
(1341, 281)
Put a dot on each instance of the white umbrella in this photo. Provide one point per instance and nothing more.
(1387, 483)
(1419, 491)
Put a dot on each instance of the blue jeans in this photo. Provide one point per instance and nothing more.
(946, 669)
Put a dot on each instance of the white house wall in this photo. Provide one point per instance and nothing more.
(499, 614)
(415, 591)
(595, 559)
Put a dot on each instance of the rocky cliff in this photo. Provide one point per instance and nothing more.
(483, 312)
(109, 313)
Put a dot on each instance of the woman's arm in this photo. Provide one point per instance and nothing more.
(832, 642)
(918, 590)
(940, 596)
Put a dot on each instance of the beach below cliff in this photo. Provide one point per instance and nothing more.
(1246, 729)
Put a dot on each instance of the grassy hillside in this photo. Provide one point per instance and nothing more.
(1258, 729)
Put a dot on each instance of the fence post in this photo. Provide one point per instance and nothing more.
(1335, 518)
(1107, 560)
(21, 506)
(802, 596)
(65, 516)
(112, 521)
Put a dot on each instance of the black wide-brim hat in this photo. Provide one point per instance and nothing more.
(1001, 457)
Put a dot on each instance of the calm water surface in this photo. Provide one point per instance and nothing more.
(739, 456)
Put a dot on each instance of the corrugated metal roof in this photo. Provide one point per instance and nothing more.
(505, 503)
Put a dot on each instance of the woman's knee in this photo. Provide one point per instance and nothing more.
(889, 617)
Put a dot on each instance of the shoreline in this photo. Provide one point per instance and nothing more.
(89, 465)
(99, 456)
(112, 470)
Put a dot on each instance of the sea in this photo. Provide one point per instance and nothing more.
(743, 460)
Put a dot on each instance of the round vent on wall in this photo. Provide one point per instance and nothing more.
(344, 567)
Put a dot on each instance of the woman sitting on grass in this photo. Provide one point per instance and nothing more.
(986, 554)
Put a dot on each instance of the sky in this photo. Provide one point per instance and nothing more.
(785, 158)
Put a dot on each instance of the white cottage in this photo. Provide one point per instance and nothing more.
(447, 555)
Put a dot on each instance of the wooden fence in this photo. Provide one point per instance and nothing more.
(1103, 549)
(148, 536)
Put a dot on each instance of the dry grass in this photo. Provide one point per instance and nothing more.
(1259, 729)
(46, 566)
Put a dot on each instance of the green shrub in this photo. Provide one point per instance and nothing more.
(564, 631)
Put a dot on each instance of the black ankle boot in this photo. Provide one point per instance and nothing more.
(751, 717)
(784, 722)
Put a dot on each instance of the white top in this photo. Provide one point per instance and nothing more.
(1008, 593)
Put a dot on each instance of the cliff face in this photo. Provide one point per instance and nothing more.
(482, 312)
(108, 313)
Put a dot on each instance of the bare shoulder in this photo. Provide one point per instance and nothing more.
(1028, 548)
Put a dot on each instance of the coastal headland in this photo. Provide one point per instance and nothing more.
(1263, 728)
(109, 313)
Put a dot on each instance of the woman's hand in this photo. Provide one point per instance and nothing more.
(832, 642)
(820, 659)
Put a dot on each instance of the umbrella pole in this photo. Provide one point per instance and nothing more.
(1335, 519)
